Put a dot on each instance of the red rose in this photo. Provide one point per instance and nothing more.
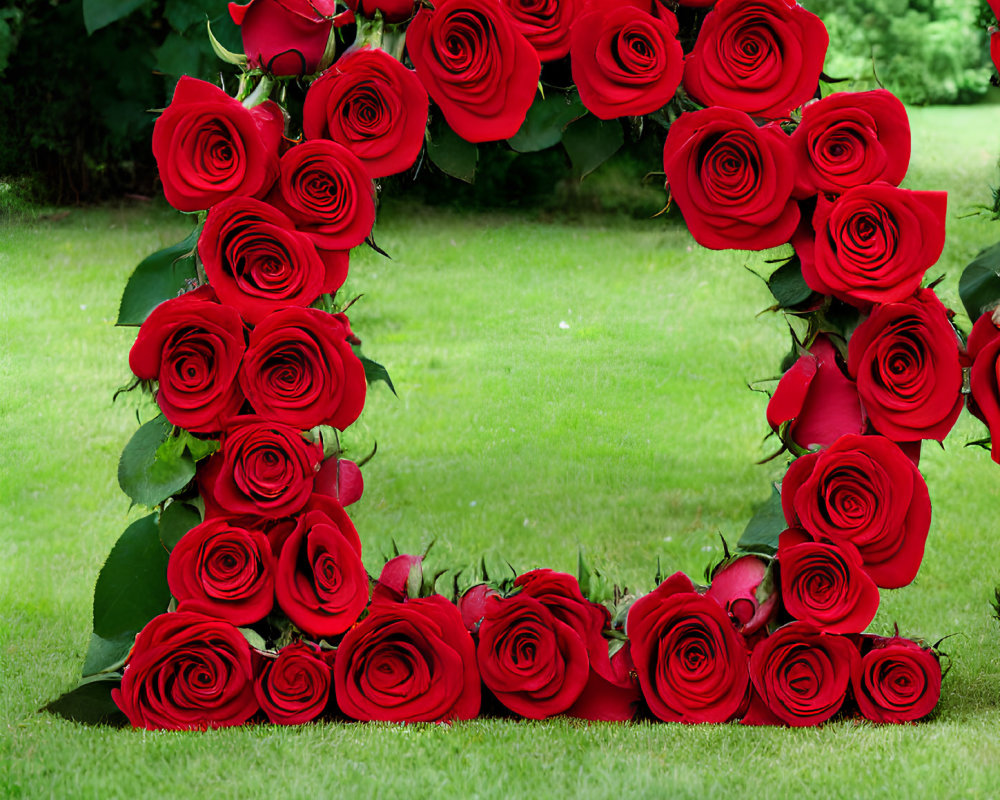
(325, 190)
(340, 479)
(536, 665)
(472, 605)
(824, 583)
(731, 180)
(187, 671)
(849, 139)
(402, 577)
(984, 399)
(258, 263)
(372, 105)
(300, 370)
(545, 24)
(393, 11)
(817, 398)
(738, 586)
(193, 346)
(408, 662)
(614, 699)
(223, 570)
(692, 664)
(801, 674)
(994, 35)
(625, 61)
(759, 56)
(873, 244)
(899, 680)
(209, 147)
(906, 362)
(476, 66)
(863, 490)
(321, 584)
(263, 468)
(295, 686)
(284, 37)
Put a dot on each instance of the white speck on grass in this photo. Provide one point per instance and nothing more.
(471, 504)
(83, 306)
(708, 548)
(668, 538)
(526, 522)
(564, 325)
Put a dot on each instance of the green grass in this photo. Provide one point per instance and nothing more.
(628, 431)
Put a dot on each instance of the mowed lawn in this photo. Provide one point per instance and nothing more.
(577, 383)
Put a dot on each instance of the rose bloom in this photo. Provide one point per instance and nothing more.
(258, 262)
(850, 139)
(408, 662)
(545, 24)
(293, 687)
(534, 664)
(193, 347)
(731, 180)
(905, 359)
(209, 147)
(476, 65)
(263, 468)
(223, 570)
(187, 671)
(802, 675)
(984, 399)
(763, 57)
(863, 490)
(691, 661)
(625, 61)
(372, 105)
(284, 37)
(300, 370)
(899, 680)
(873, 244)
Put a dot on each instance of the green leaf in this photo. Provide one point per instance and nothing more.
(177, 54)
(376, 372)
(176, 520)
(99, 13)
(159, 277)
(787, 284)
(107, 655)
(451, 153)
(132, 586)
(153, 467)
(546, 120)
(90, 703)
(979, 286)
(590, 142)
(227, 56)
(761, 534)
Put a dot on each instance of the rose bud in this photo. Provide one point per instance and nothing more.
(401, 578)
(393, 11)
(472, 605)
(340, 479)
(984, 397)
(284, 37)
(739, 586)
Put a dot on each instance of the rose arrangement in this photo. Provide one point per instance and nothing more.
(243, 595)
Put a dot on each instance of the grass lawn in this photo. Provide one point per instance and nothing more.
(562, 384)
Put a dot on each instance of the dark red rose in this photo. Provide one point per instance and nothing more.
(408, 662)
(984, 399)
(759, 56)
(340, 479)
(299, 369)
(824, 583)
(372, 105)
(263, 468)
(187, 671)
(818, 400)
(293, 687)
(223, 570)
(625, 61)
(536, 665)
(476, 66)
(899, 680)
(325, 190)
(865, 491)
(905, 360)
(284, 37)
(731, 180)
(614, 699)
(258, 262)
(691, 662)
(321, 584)
(801, 675)
(193, 347)
(393, 11)
(545, 23)
(472, 605)
(873, 244)
(209, 147)
(738, 586)
(850, 139)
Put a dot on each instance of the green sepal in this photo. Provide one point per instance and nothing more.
(229, 57)
(375, 372)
